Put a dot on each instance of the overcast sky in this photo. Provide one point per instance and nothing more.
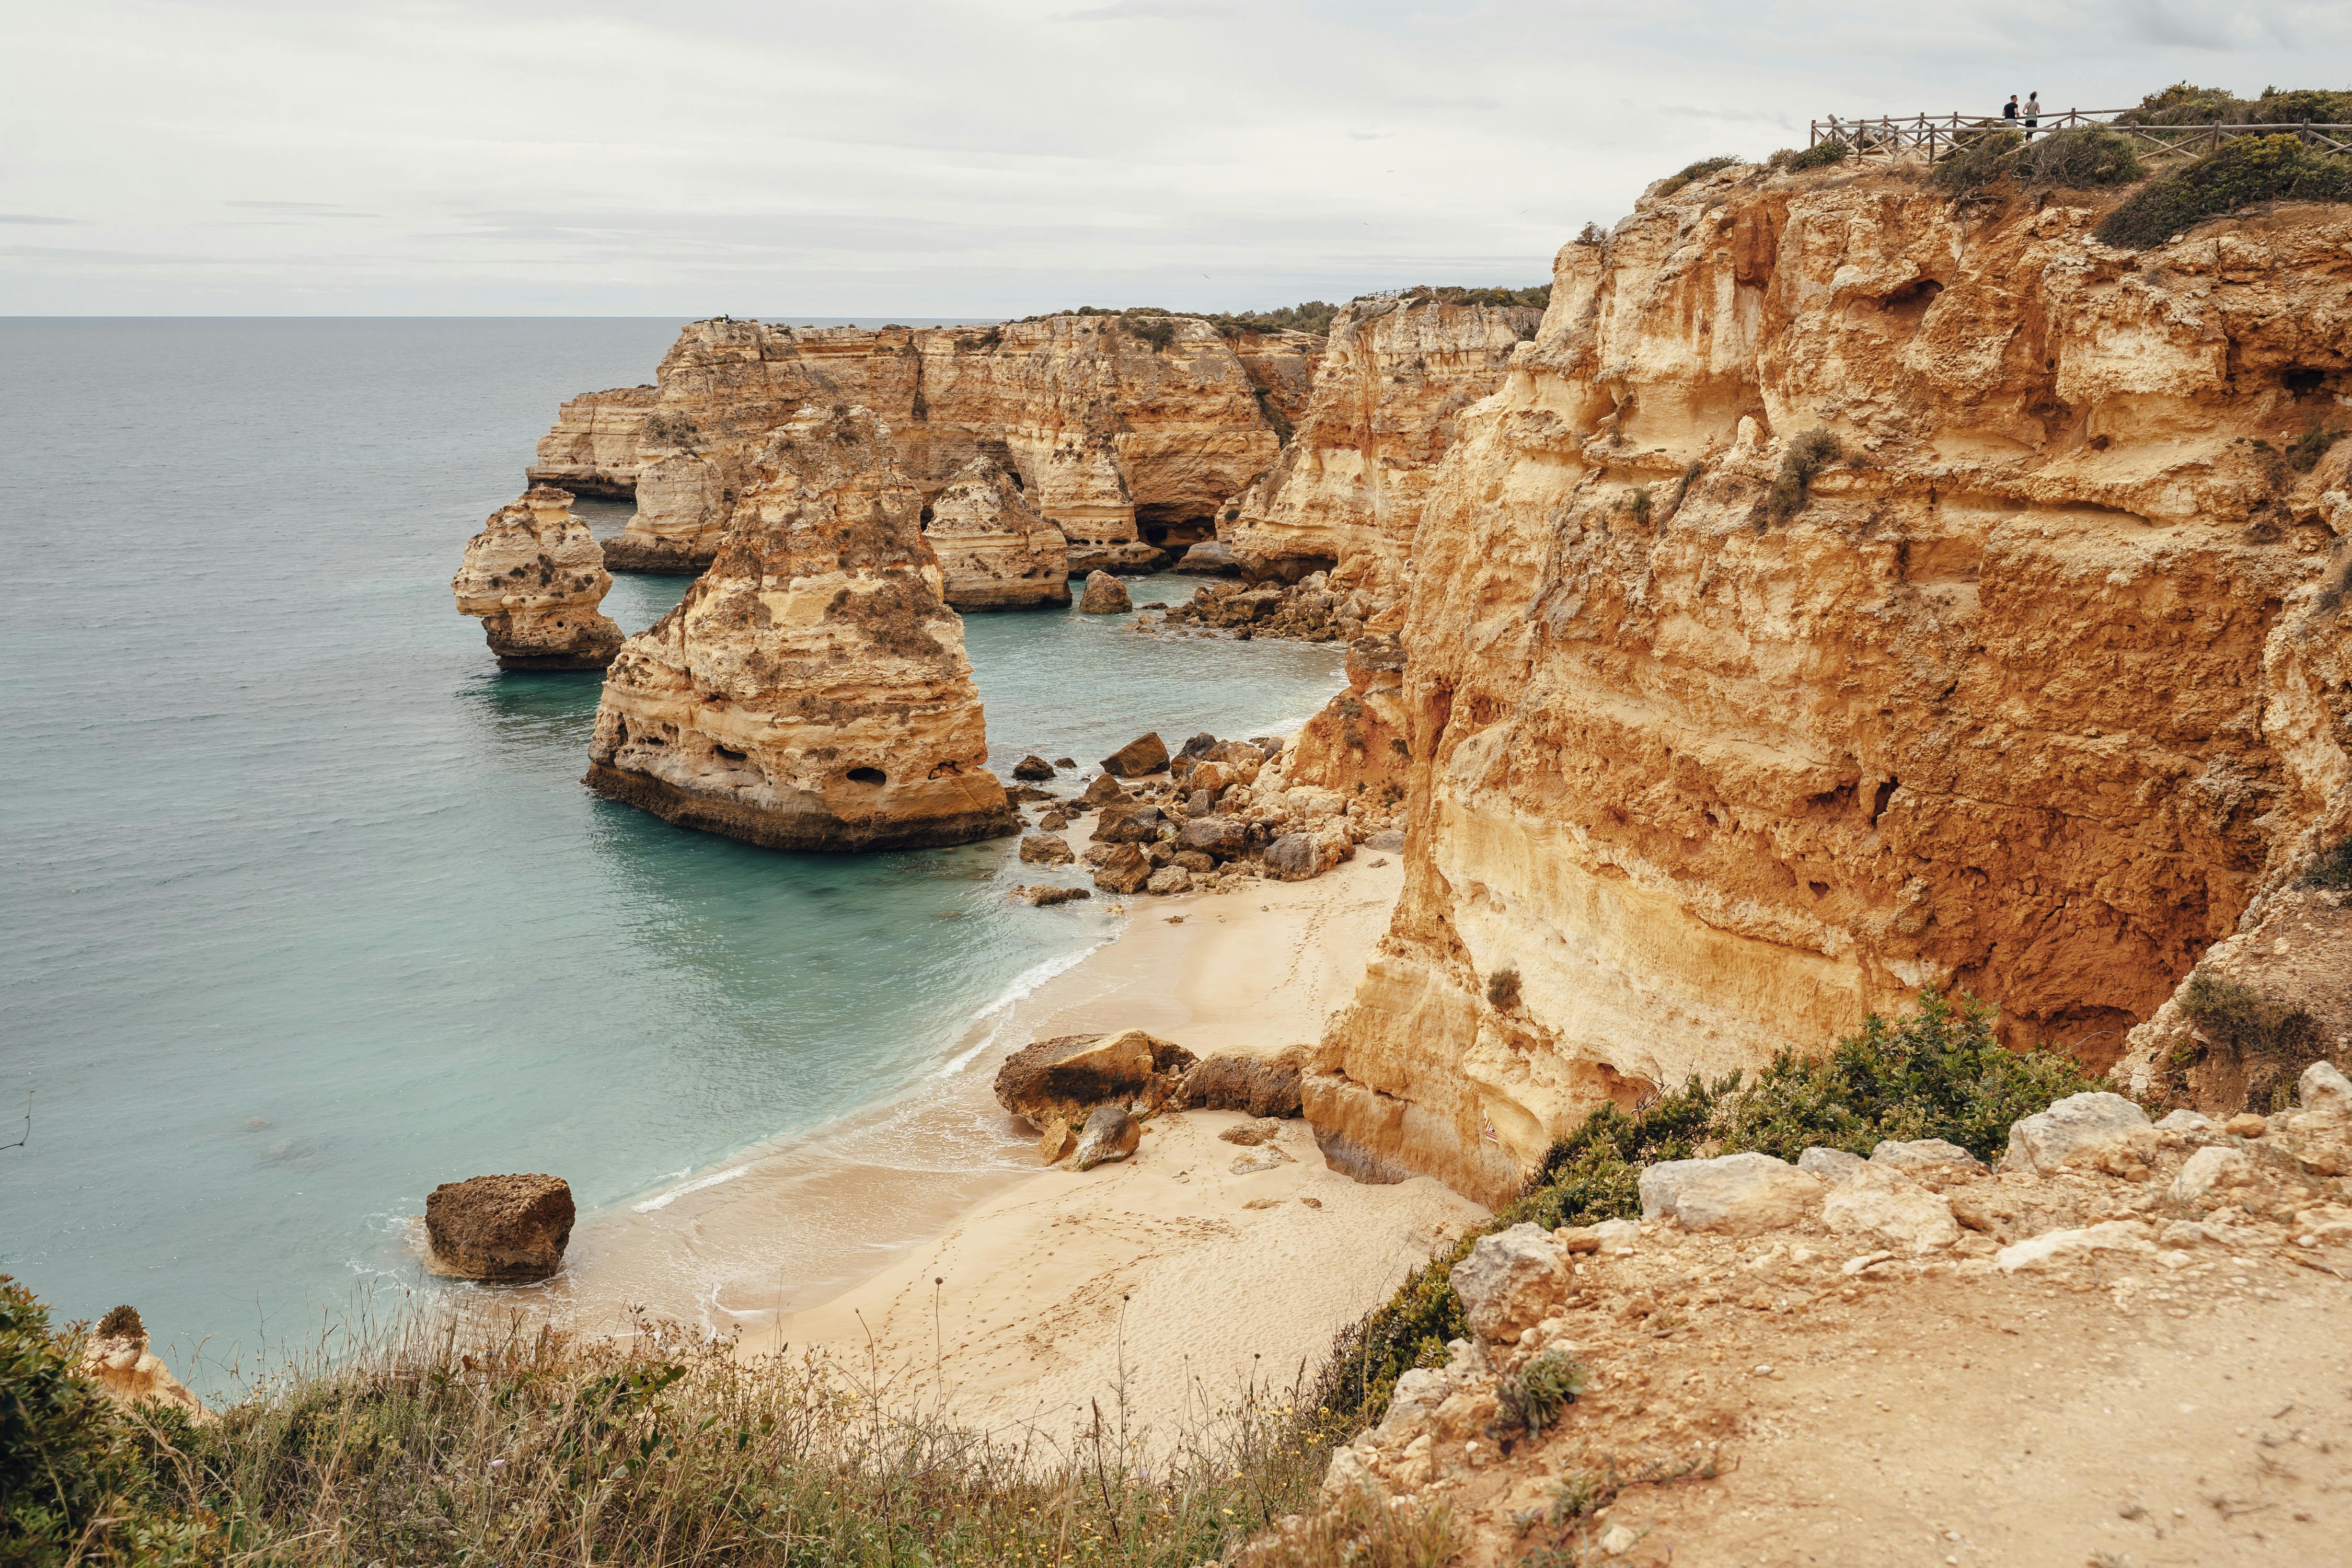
(981, 159)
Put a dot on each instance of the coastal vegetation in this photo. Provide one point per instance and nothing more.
(1936, 1072)
(440, 1448)
(2235, 175)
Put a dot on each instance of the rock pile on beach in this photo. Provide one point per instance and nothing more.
(1673, 1336)
(1307, 611)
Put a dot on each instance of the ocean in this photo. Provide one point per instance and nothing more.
(305, 908)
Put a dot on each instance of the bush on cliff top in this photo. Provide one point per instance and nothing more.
(1698, 170)
(76, 1482)
(2238, 174)
(1820, 155)
(2183, 104)
(1936, 1072)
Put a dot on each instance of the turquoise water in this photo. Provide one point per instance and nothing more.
(305, 910)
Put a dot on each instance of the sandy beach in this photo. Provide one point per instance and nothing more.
(1222, 1278)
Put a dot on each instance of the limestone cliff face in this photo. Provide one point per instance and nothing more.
(2010, 696)
(1388, 394)
(535, 576)
(995, 553)
(811, 691)
(592, 450)
(1121, 441)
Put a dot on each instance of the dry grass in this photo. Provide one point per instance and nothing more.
(529, 1448)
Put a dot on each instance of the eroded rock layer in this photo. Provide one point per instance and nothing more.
(811, 691)
(592, 450)
(1123, 441)
(1389, 392)
(995, 553)
(1723, 733)
(535, 577)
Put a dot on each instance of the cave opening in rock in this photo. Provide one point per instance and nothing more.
(867, 776)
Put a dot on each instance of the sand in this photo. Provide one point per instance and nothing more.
(803, 1240)
(1166, 1276)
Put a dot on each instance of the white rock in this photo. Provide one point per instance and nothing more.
(1616, 1540)
(1881, 1204)
(1348, 1473)
(2322, 1088)
(1615, 1233)
(1736, 1194)
(1418, 1394)
(1510, 1282)
(2097, 1131)
(2185, 1121)
(2057, 1248)
(1828, 1164)
(1921, 1154)
(2207, 1169)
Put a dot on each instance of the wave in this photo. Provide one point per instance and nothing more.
(663, 1200)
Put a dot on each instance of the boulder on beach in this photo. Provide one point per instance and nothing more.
(1259, 1086)
(499, 1227)
(1044, 896)
(1111, 1134)
(1104, 596)
(1170, 878)
(1144, 754)
(1128, 823)
(1031, 768)
(1045, 849)
(1066, 1078)
(1104, 790)
(1123, 868)
(1222, 837)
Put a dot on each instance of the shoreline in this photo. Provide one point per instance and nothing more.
(828, 1221)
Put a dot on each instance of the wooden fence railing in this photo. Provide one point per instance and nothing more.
(1935, 136)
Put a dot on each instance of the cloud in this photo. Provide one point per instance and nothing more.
(40, 220)
(2159, 23)
(1149, 11)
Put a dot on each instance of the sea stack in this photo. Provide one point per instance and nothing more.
(534, 575)
(811, 691)
(995, 553)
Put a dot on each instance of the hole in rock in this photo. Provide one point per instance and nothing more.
(1879, 798)
(730, 753)
(867, 776)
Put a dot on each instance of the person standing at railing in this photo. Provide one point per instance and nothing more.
(2032, 113)
(2009, 110)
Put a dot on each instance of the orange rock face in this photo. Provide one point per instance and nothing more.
(1122, 442)
(811, 691)
(534, 577)
(1723, 734)
(1388, 394)
(592, 450)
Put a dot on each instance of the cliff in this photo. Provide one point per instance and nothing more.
(535, 576)
(1125, 439)
(1845, 593)
(995, 553)
(811, 691)
(592, 450)
(1348, 488)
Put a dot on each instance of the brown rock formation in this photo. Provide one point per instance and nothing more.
(118, 1358)
(1104, 596)
(1063, 1079)
(592, 450)
(1120, 440)
(499, 1227)
(1719, 739)
(995, 553)
(1387, 396)
(1360, 742)
(811, 691)
(535, 576)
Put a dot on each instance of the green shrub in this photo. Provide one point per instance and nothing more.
(2249, 1022)
(1792, 488)
(75, 1483)
(1938, 1072)
(2182, 104)
(1820, 155)
(2301, 106)
(2080, 158)
(2241, 173)
(2302, 452)
(1157, 330)
(1977, 162)
(1532, 1397)
(1698, 170)
(2334, 868)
